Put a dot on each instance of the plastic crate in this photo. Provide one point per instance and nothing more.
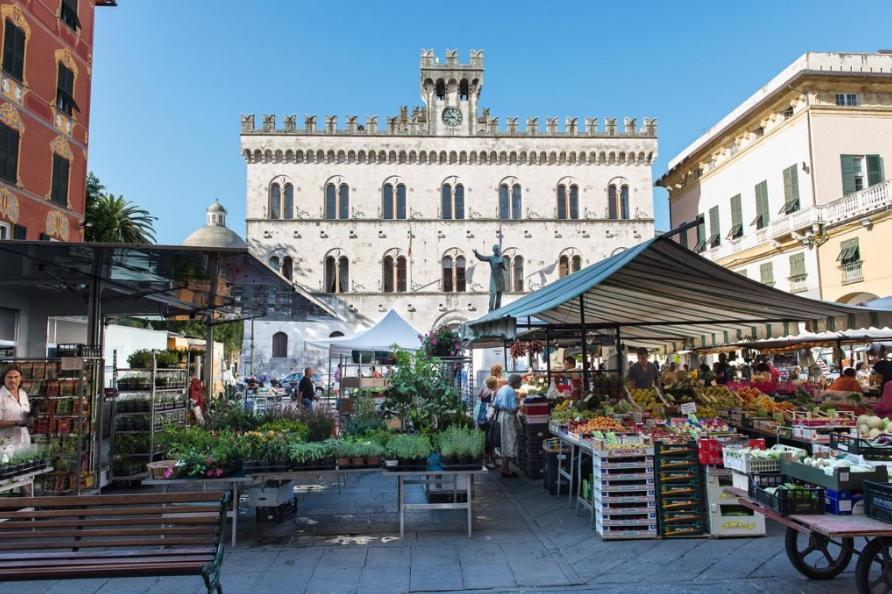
(763, 480)
(804, 500)
(878, 501)
(742, 460)
(857, 445)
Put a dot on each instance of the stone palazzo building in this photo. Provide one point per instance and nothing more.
(386, 214)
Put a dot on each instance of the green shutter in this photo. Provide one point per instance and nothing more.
(762, 217)
(791, 190)
(766, 273)
(848, 173)
(874, 169)
(849, 251)
(797, 265)
(736, 218)
(742, 273)
(714, 237)
(701, 234)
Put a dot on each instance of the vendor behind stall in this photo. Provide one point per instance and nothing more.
(847, 382)
(573, 380)
(643, 374)
(883, 366)
(14, 410)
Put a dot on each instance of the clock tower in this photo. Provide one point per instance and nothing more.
(451, 92)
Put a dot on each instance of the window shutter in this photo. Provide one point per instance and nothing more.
(874, 169)
(849, 251)
(762, 204)
(19, 232)
(791, 190)
(766, 272)
(848, 174)
(736, 211)
(797, 265)
(714, 239)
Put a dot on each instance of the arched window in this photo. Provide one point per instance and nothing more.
(274, 263)
(517, 274)
(337, 274)
(612, 206)
(447, 274)
(569, 262)
(393, 201)
(452, 201)
(624, 202)
(576, 263)
(563, 266)
(460, 274)
(568, 201)
(289, 202)
(343, 202)
(336, 334)
(387, 274)
(287, 267)
(275, 199)
(280, 345)
(510, 202)
(504, 203)
(401, 274)
(463, 89)
(337, 201)
(331, 202)
(516, 202)
(440, 90)
(393, 274)
(453, 268)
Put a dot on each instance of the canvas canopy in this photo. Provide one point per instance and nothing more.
(812, 340)
(663, 296)
(392, 329)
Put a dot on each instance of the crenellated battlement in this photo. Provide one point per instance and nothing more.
(414, 124)
(429, 60)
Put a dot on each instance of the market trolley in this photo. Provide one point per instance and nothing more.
(821, 546)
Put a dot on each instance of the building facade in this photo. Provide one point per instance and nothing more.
(47, 55)
(386, 215)
(791, 184)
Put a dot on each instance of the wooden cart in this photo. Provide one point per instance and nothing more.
(821, 546)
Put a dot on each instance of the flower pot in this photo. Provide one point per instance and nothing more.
(391, 464)
(357, 461)
(464, 459)
(373, 461)
(344, 462)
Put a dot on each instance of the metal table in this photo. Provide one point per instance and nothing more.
(22, 480)
(217, 484)
(427, 477)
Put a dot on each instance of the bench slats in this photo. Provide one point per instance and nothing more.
(35, 562)
(87, 571)
(41, 524)
(50, 533)
(110, 511)
(100, 500)
(80, 544)
(76, 555)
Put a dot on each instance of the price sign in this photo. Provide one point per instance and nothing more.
(688, 408)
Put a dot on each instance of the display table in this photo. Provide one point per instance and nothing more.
(22, 480)
(231, 483)
(428, 477)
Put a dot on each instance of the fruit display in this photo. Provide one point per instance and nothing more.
(597, 424)
(720, 396)
(829, 465)
(874, 428)
(698, 426)
(748, 394)
(648, 400)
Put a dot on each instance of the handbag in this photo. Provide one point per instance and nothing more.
(494, 432)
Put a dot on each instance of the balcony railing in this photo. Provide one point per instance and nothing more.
(852, 273)
(795, 221)
(798, 283)
(858, 203)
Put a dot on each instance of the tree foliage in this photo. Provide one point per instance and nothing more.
(231, 335)
(421, 391)
(112, 219)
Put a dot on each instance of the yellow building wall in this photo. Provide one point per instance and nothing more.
(875, 243)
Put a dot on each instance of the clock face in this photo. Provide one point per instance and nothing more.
(452, 116)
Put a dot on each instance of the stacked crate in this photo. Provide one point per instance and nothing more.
(529, 448)
(624, 497)
(680, 489)
(726, 516)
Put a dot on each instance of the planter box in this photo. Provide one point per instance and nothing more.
(841, 480)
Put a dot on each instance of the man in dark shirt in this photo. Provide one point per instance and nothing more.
(643, 374)
(306, 389)
(883, 367)
(722, 370)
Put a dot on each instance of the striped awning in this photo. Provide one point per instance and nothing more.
(663, 296)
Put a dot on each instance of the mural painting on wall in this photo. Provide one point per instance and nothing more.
(57, 225)
(9, 207)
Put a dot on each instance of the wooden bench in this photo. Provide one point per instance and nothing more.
(113, 536)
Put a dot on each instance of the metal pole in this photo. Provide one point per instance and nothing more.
(505, 353)
(207, 370)
(620, 357)
(584, 346)
(547, 358)
(252, 346)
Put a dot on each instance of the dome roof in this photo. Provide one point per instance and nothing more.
(216, 207)
(214, 237)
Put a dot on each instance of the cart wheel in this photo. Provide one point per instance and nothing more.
(817, 556)
(873, 573)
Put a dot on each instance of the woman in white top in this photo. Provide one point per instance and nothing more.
(14, 411)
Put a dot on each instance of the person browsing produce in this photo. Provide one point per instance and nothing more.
(14, 410)
(506, 409)
(643, 374)
(847, 382)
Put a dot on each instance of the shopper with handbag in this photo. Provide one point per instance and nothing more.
(506, 416)
(482, 416)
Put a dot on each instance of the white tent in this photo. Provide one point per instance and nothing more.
(392, 329)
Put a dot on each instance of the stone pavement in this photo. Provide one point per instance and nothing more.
(525, 540)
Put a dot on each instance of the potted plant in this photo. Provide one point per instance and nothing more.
(411, 450)
(346, 451)
(448, 452)
(141, 359)
(167, 360)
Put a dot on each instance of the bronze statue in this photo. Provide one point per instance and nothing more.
(498, 267)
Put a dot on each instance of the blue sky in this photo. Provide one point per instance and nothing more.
(171, 77)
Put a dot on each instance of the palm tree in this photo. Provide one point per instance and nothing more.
(112, 219)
